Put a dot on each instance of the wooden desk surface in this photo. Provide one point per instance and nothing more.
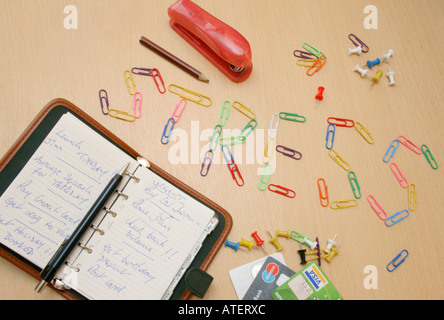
(41, 60)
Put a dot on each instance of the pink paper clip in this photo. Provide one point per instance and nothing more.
(281, 190)
(378, 209)
(410, 145)
(399, 175)
(156, 74)
(175, 115)
(137, 105)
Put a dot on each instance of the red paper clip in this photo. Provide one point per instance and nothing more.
(156, 74)
(281, 190)
(223, 46)
(235, 173)
(339, 122)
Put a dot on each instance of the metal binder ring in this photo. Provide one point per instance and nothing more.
(76, 269)
(111, 212)
(122, 194)
(85, 248)
(98, 230)
(132, 176)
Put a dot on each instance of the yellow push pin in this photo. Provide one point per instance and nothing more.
(247, 244)
(333, 252)
(283, 234)
(378, 76)
(275, 242)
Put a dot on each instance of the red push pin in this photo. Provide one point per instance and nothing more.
(319, 96)
(259, 241)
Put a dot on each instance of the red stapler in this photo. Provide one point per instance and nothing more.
(223, 46)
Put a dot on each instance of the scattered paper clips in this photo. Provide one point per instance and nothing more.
(312, 57)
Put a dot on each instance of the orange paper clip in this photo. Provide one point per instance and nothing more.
(323, 194)
(318, 64)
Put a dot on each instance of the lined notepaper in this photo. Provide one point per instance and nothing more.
(145, 245)
(55, 189)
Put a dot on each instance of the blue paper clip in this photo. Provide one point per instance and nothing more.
(397, 261)
(393, 146)
(331, 129)
(164, 136)
(390, 221)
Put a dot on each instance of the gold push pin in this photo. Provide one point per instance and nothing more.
(275, 242)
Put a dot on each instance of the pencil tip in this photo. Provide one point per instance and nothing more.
(203, 78)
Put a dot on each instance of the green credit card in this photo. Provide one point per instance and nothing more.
(310, 283)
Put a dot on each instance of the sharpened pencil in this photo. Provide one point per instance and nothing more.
(173, 59)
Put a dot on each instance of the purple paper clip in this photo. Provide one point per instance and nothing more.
(206, 163)
(289, 152)
(304, 54)
(141, 71)
(103, 97)
(352, 38)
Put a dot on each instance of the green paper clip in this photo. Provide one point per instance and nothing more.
(354, 184)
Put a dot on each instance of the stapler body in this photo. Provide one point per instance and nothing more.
(223, 46)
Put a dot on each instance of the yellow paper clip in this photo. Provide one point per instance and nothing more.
(412, 197)
(122, 115)
(364, 132)
(339, 160)
(343, 204)
(129, 78)
(300, 62)
(244, 110)
(198, 98)
(269, 149)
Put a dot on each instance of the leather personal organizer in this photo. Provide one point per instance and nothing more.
(153, 240)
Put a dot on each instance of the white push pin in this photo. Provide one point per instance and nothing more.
(311, 244)
(362, 71)
(391, 76)
(357, 50)
(331, 243)
(386, 57)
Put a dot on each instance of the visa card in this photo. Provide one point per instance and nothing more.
(310, 283)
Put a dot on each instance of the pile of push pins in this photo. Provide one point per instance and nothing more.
(361, 47)
(315, 253)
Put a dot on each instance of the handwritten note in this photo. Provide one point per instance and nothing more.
(145, 245)
(57, 186)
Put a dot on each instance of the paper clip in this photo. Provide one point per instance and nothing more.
(430, 159)
(272, 130)
(215, 137)
(137, 105)
(156, 74)
(103, 97)
(164, 136)
(301, 62)
(364, 132)
(397, 261)
(131, 86)
(201, 99)
(330, 137)
(244, 110)
(268, 152)
(339, 122)
(141, 71)
(392, 148)
(229, 141)
(412, 196)
(224, 112)
(282, 190)
(303, 54)
(410, 145)
(235, 173)
(376, 207)
(227, 154)
(292, 117)
(354, 184)
(390, 221)
(289, 152)
(265, 176)
(121, 115)
(206, 163)
(339, 160)
(313, 50)
(251, 125)
(399, 175)
(323, 194)
(318, 64)
(176, 115)
(354, 38)
(343, 204)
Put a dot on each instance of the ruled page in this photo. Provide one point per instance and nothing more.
(57, 186)
(145, 245)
